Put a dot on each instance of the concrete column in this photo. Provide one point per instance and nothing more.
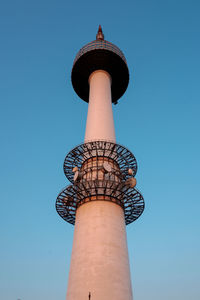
(100, 124)
(99, 262)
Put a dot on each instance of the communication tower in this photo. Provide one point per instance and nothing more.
(102, 197)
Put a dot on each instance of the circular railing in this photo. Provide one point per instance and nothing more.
(100, 149)
(82, 192)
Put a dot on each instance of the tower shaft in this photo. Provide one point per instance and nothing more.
(99, 261)
(100, 124)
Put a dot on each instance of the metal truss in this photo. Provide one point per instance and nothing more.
(75, 195)
(118, 153)
(85, 167)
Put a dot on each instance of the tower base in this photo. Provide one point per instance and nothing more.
(99, 262)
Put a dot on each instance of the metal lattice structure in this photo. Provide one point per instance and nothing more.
(95, 184)
(118, 153)
(75, 195)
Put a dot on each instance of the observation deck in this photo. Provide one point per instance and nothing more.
(100, 55)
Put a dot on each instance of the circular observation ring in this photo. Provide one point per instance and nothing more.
(100, 55)
(80, 154)
(74, 196)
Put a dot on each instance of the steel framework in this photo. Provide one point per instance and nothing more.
(94, 183)
(118, 153)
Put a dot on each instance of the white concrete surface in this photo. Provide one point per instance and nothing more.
(100, 124)
(99, 262)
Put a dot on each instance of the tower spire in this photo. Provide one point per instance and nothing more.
(100, 35)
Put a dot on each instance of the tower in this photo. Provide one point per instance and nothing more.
(102, 197)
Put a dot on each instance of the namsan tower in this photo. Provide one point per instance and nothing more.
(102, 198)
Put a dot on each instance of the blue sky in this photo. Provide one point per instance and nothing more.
(42, 119)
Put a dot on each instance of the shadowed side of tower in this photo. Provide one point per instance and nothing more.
(102, 198)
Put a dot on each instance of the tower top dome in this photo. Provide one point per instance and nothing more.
(100, 55)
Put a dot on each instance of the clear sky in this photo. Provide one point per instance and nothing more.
(42, 119)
